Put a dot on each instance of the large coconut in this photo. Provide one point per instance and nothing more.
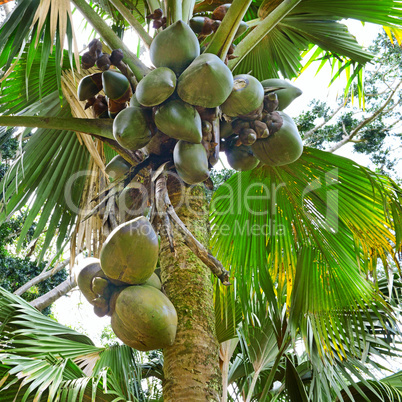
(206, 82)
(241, 158)
(179, 120)
(281, 148)
(89, 268)
(116, 86)
(144, 318)
(175, 47)
(191, 162)
(117, 167)
(89, 86)
(247, 95)
(130, 128)
(156, 87)
(285, 91)
(130, 252)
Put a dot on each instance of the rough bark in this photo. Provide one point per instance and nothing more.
(191, 365)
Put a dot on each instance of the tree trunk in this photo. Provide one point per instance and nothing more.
(191, 365)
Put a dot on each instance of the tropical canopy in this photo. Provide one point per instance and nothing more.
(311, 249)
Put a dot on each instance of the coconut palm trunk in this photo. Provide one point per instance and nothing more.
(191, 364)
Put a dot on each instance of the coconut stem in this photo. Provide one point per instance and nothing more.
(99, 127)
(125, 12)
(138, 68)
(174, 11)
(260, 31)
(188, 8)
(226, 32)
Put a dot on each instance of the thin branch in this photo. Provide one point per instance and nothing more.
(192, 243)
(313, 130)
(125, 12)
(40, 278)
(260, 31)
(138, 68)
(50, 297)
(365, 121)
(161, 208)
(99, 127)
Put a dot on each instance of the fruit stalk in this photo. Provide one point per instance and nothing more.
(125, 12)
(138, 68)
(226, 32)
(260, 31)
(99, 127)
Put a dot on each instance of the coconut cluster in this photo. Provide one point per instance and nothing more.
(123, 285)
(192, 102)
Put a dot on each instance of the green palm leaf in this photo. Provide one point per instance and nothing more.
(318, 224)
(312, 22)
(59, 362)
(48, 158)
(32, 20)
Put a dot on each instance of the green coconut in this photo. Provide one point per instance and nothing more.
(130, 128)
(179, 120)
(241, 30)
(117, 167)
(116, 86)
(89, 268)
(191, 162)
(285, 91)
(134, 101)
(89, 86)
(206, 82)
(175, 47)
(144, 318)
(156, 87)
(129, 201)
(154, 281)
(225, 129)
(241, 158)
(130, 252)
(197, 24)
(281, 148)
(247, 95)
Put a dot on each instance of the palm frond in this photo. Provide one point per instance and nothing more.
(322, 218)
(32, 20)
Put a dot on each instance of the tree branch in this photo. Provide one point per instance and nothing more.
(99, 127)
(41, 277)
(365, 121)
(260, 31)
(316, 128)
(50, 297)
(139, 69)
(192, 243)
(125, 12)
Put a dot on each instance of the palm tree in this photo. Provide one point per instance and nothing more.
(311, 276)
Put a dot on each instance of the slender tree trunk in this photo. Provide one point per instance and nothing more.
(191, 365)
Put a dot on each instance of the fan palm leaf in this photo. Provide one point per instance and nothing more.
(56, 360)
(321, 237)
